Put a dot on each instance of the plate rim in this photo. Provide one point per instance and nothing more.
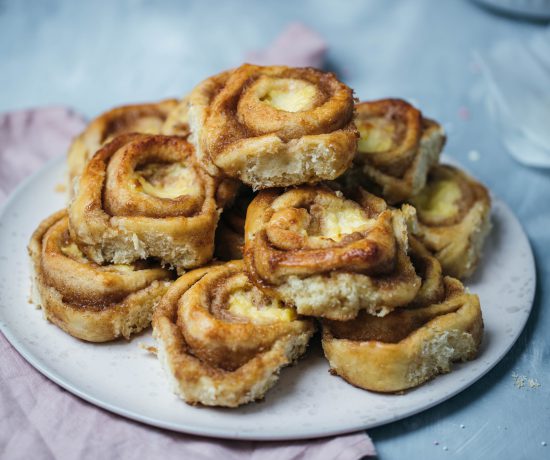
(186, 428)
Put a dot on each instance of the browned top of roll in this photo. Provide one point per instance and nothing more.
(150, 176)
(310, 230)
(224, 319)
(390, 131)
(80, 281)
(448, 196)
(401, 322)
(253, 101)
(139, 118)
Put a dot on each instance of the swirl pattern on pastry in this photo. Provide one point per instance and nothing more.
(221, 341)
(177, 121)
(273, 126)
(453, 213)
(396, 147)
(407, 347)
(145, 196)
(329, 256)
(139, 118)
(92, 302)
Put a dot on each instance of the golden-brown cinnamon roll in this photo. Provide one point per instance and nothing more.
(146, 196)
(453, 219)
(329, 256)
(230, 231)
(177, 121)
(92, 302)
(273, 126)
(221, 341)
(407, 347)
(396, 147)
(141, 118)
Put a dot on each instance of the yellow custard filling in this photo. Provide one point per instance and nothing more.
(342, 221)
(167, 180)
(438, 200)
(241, 304)
(291, 95)
(375, 136)
(121, 268)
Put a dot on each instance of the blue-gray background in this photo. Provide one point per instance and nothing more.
(95, 55)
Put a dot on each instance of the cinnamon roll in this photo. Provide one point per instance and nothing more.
(396, 148)
(177, 121)
(223, 342)
(407, 347)
(453, 219)
(329, 256)
(92, 302)
(273, 126)
(141, 118)
(145, 196)
(230, 232)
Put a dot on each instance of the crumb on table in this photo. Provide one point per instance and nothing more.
(520, 381)
(148, 348)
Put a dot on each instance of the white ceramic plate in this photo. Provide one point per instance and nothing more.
(307, 401)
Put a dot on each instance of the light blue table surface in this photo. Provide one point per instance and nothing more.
(94, 55)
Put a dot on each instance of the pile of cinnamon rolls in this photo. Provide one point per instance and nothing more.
(264, 206)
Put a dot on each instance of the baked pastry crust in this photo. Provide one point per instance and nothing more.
(453, 219)
(141, 118)
(407, 347)
(273, 126)
(88, 301)
(329, 256)
(221, 341)
(177, 121)
(396, 148)
(146, 196)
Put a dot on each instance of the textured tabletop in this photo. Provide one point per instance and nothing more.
(94, 55)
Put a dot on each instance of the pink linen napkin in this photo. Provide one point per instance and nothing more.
(297, 46)
(28, 138)
(40, 420)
